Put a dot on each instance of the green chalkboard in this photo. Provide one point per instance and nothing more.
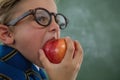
(96, 24)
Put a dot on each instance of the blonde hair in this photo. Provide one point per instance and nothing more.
(6, 8)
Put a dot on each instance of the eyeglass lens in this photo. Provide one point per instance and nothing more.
(60, 19)
(43, 17)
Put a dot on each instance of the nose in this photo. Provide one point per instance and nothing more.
(54, 27)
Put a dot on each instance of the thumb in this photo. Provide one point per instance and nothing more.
(43, 59)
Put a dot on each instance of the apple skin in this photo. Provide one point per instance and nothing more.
(55, 50)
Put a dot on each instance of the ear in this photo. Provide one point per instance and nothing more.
(6, 36)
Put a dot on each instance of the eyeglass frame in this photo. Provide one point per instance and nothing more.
(33, 12)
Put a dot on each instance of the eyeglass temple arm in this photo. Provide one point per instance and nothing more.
(14, 21)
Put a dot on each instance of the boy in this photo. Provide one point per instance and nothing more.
(25, 26)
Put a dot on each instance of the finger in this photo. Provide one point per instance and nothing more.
(78, 57)
(70, 48)
(43, 59)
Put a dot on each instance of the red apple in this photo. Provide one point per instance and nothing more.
(55, 50)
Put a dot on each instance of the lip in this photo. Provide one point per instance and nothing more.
(53, 38)
(47, 40)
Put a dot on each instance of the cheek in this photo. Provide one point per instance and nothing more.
(29, 42)
(30, 39)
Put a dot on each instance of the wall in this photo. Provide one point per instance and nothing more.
(96, 24)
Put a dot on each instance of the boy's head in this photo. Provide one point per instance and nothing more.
(27, 24)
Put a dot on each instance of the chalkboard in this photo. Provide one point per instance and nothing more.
(96, 24)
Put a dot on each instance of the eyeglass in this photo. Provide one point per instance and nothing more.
(42, 17)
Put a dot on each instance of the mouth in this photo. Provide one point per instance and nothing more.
(51, 39)
(47, 40)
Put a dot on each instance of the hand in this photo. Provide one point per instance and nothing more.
(69, 67)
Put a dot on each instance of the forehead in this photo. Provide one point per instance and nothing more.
(26, 5)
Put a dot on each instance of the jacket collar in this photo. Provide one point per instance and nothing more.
(14, 58)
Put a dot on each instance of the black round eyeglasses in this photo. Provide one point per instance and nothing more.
(42, 17)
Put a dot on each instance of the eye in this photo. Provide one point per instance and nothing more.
(42, 19)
